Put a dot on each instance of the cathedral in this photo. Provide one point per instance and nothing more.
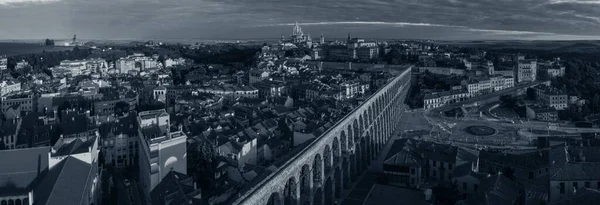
(298, 36)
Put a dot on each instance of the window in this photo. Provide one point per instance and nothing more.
(412, 170)
(475, 187)
(434, 163)
(450, 166)
(587, 184)
(575, 186)
(464, 185)
(434, 174)
(562, 187)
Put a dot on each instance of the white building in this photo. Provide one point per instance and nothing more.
(160, 150)
(3, 63)
(526, 71)
(125, 65)
(9, 86)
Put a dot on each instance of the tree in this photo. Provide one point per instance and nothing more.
(49, 42)
(596, 103)
(202, 161)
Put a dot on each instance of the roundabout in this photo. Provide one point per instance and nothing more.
(480, 130)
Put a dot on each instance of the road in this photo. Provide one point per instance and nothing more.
(495, 96)
(508, 132)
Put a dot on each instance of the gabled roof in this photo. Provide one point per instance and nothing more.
(18, 174)
(66, 183)
(174, 189)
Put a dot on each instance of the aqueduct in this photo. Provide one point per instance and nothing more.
(318, 174)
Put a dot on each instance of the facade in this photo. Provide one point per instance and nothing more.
(554, 70)
(552, 97)
(255, 76)
(160, 150)
(9, 86)
(24, 100)
(442, 70)
(572, 169)
(9, 133)
(499, 82)
(526, 71)
(119, 142)
(367, 53)
(268, 89)
(3, 63)
(124, 65)
(403, 169)
(231, 91)
(354, 89)
(542, 113)
(435, 100)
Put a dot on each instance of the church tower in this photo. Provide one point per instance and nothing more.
(322, 40)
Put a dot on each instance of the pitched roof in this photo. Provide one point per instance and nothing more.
(66, 183)
(17, 175)
(174, 189)
(403, 158)
(382, 194)
(495, 190)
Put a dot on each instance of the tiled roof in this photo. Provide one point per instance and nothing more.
(66, 183)
(17, 175)
(403, 158)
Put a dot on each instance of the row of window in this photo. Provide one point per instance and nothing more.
(576, 186)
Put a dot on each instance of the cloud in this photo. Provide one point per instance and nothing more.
(361, 23)
(13, 2)
(574, 2)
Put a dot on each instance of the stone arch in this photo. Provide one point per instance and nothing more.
(369, 116)
(350, 136)
(363, 154)
(305, 185)
(274, 199)
(377, 138)
(3, 202)
(318, 199)
(18, 202)
(361, 128)
(356, 131)
(343, 143)
(328, 191)
(336, 151)
(346, 172)
(371, 144)
(317, 171)
(327, 160)
(290, 192)
(338, 182)
(11, 202)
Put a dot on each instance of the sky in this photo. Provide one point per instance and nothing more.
(252, 19)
